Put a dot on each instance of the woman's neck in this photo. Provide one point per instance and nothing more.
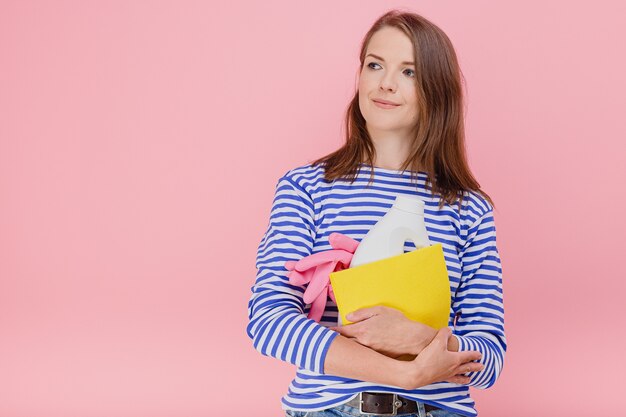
(390, 154)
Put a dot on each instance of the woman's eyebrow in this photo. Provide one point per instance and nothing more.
(382, 59)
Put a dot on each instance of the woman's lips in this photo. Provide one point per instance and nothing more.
(384, 105)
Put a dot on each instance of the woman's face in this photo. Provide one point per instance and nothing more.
(388, 73)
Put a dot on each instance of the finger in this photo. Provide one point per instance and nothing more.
(468, 368)
(314, 260)
(319, 281)
(299, 278)
(323, 257)
(318, 305)
(339, 329)
(361, 314)
(459, 380)
(348, 330)
(340, 241)
(331, 293)
(469, 356)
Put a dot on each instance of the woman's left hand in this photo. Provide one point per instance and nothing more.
(387, 331)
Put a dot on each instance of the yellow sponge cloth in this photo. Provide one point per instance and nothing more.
(415, 283)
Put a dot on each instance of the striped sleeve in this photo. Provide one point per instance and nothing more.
(277, 324)
(480, 325)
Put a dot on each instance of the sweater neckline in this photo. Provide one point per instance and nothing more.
(392, 171)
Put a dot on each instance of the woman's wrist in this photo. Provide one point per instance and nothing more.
(410, 376)
(417, 339)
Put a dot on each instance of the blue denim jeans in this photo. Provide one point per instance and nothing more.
(344, 410)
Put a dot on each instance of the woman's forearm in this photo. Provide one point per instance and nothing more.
(419, 336)
(350, 359)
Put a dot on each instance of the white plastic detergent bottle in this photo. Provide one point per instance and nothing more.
(404, 221)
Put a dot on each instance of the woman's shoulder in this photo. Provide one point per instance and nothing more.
(474, 205)
(304, 176)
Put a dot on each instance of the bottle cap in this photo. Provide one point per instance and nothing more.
(409, 203)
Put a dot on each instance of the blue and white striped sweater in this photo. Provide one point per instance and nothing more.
(306, 209)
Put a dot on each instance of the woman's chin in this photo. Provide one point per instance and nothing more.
(385, 126)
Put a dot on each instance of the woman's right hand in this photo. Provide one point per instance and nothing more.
(436, 363)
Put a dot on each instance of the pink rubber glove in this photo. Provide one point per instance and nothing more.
(315, 270)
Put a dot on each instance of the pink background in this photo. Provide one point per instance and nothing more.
(140, 144)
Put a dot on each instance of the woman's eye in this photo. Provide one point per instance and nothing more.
(412, 73)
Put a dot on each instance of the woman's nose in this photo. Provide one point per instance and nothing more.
(387, 83)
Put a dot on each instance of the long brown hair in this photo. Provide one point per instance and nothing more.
(439, 146)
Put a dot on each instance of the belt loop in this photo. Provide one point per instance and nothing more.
(421, 411)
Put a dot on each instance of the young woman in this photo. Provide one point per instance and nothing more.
(405, 135)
